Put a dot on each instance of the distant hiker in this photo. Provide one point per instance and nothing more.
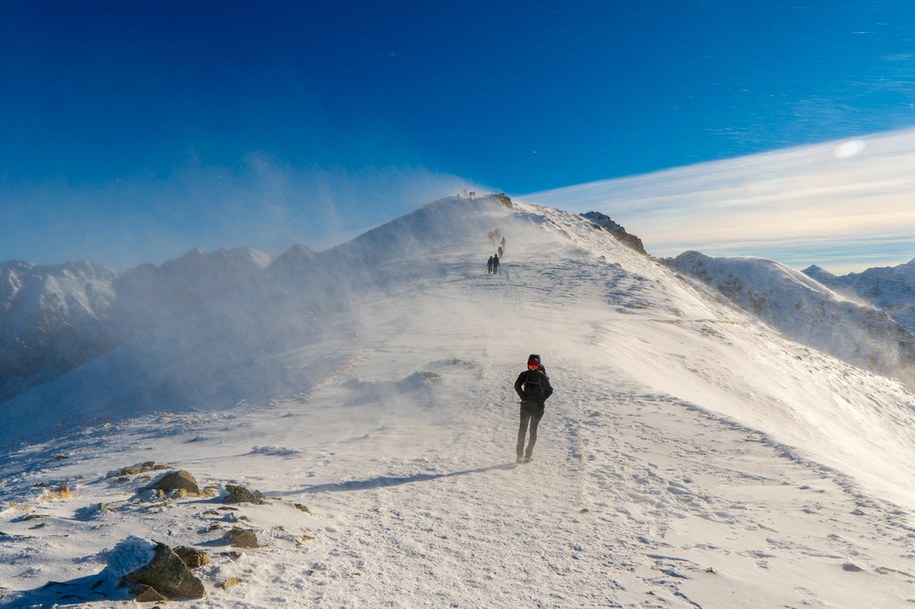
(501, 251)
(533, 387)
(502, 243)
(489, 264)
(495, 264)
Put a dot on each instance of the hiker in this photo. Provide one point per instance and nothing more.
(495, 264)
(489, 265)
(533, 387)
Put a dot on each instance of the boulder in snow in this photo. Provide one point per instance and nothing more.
(179, 480)
(242, 538)
(240, 494)
(167, 574)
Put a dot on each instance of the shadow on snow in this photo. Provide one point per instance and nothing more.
(386, 481)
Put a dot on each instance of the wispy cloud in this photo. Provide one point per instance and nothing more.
(844, 205)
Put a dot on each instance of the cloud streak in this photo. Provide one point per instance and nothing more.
(843, 205)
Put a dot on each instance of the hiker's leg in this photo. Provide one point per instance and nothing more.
(522, 432)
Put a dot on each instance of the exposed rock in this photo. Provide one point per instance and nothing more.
(604, 221)
(178, 480)
(302, 508)
(242, 538)
(143, 593)
(192, 557)
(504, 199)
(168, 575)
(239, 494)
(232, 581)
(142, 468)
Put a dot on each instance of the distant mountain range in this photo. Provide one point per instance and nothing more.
(56, 318)
(889, 288)
(865, 319)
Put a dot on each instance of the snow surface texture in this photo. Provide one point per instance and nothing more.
(691, 456)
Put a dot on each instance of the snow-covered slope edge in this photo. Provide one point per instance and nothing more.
(809, 312)
(690, 457)
(890, 288)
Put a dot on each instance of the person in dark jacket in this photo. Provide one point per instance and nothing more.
(533, 387)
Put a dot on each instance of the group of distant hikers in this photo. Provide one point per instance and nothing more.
(492, 265)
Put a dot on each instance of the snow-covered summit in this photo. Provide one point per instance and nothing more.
(293, 259)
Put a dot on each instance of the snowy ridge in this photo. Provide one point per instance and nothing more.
(806, 310)
(691, 456)
(56, 318)
(51, 320)
(890, 288)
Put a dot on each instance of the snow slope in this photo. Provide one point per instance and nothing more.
(691, 456)
(56, 318)
(51, 320)
(808, 311)
(890, 288)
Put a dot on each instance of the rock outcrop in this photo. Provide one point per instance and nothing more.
(167, 575)
(604, 222)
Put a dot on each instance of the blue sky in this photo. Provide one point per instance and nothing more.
(132, 131)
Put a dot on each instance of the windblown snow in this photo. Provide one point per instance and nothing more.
(691, 456)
